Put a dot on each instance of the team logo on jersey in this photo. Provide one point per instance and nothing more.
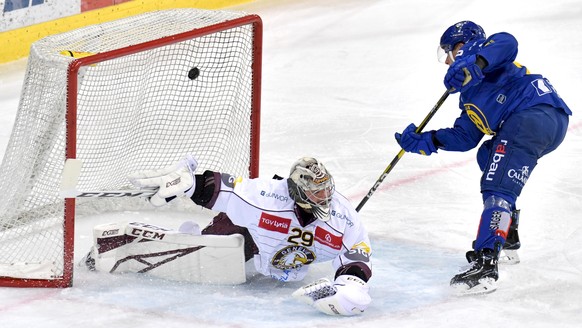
(274, 223)
(359, 252)
(293, 257)
(327, 238)
(478, 118)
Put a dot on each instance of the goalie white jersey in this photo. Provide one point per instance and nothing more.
(286, 247)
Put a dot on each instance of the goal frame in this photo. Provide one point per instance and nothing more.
(66, 280)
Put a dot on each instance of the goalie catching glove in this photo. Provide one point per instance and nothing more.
(347, 295)
(173, 181)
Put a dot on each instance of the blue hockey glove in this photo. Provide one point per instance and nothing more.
(420, 143)
(463, 74)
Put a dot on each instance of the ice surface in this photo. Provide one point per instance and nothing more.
(339, 78)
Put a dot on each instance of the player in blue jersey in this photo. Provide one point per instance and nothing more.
(525, 119)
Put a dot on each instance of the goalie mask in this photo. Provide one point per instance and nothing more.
(311, 186)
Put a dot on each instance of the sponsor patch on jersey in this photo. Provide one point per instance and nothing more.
(342, 217)
(274, 223)
(327, 238)
(293, 257)
(278, 197)
(359, 252)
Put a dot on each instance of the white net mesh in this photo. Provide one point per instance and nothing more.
(136, 111)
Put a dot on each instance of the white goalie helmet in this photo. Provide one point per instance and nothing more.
(311, 186)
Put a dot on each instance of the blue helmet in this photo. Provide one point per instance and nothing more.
(463, 31)
(470, 48)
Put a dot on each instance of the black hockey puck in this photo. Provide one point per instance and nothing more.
(193, 74)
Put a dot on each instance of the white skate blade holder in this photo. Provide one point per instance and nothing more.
(485, 286)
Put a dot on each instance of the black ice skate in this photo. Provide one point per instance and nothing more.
(480, 276)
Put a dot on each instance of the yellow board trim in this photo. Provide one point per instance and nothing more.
(16, 43)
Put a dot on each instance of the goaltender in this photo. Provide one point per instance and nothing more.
(287, 224)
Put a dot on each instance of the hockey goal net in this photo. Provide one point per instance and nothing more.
(132, 94)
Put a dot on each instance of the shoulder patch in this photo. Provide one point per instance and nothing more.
(359, 252)
(230, 180)
(541, 86)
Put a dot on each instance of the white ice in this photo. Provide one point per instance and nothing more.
(339, 78)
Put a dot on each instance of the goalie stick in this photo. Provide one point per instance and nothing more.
(70, 178)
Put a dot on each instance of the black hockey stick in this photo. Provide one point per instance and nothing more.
(402, 151)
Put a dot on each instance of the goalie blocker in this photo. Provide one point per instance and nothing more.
(182, 255)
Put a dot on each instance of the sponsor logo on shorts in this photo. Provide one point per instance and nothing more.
(274, 223)
(519, 176)
(499, 154)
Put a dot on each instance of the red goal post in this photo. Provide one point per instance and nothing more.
(133, 94)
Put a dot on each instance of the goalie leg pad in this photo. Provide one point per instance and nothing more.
(168, 254)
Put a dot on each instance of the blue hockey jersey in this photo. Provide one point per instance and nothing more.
(507, 87)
